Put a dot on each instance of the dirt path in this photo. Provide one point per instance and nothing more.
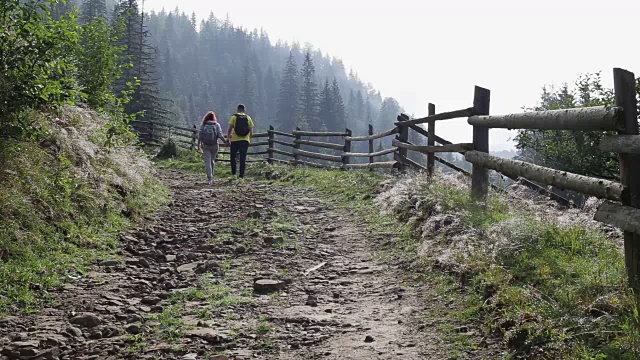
(186, 287)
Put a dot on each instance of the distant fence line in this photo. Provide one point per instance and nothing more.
(622, 206)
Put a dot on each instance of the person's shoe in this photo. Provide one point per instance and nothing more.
(210, 181)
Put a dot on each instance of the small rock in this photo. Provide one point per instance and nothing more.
(268, 285)
(254, 215)
(312, 301)
(87, 320)
(189, 357)
(169, 258)
(134, 329)
(134, 318)
(50, 354)
(219, 357)
(109, 263)
(330, 228)
(240, 249)
(369, 339)
(273, 240)
(95, 335)
(187, 267)
(144, 263)
(151, 300)
(74, 331)
(110, 331)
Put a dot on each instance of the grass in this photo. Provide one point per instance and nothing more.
(542, 288)
(60, 210)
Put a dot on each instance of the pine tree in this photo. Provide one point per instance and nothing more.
(139, 59)
(93, 10)
(288, 96)
(270, 96)
(338, 114)
(326, 107)
(308, 103)
(250, 88)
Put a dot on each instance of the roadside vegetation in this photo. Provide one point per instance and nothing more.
(517, 272)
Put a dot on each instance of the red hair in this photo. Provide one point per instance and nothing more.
(211, 116)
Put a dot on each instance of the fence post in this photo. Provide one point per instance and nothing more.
(431, 157)
(370, 146)
(480, 174)
(403, 136)
(270, 149)
(296, 145)
(625, 96)
(151, 132)
(347, 148)
(193, 137)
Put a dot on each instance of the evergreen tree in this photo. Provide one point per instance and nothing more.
(249, 88)
(288, 95)
(270, 96)
(139, 64)
(93, 10)
(308, 104)
(337, 111)
(326, 107)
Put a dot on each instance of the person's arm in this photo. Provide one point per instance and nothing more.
(250, 127)
(232, 123)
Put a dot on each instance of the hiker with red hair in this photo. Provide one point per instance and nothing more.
(210, 132)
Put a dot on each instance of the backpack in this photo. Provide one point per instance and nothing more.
(242, 125)
(209, 133)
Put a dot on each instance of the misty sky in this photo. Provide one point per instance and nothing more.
(421, 51)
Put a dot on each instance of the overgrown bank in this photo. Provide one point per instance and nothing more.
(65, 192)
(534, 280)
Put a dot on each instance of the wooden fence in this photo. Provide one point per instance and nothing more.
(622, 206)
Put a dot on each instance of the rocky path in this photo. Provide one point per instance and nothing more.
(233, 271)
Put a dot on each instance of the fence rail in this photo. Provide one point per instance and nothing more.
(622, 208)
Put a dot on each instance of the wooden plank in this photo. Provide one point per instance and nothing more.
(624, 84)
(316, 165)
(346, 149)
(314, 155)
(431, 157)
(604, 189)
(588, 118)
(288, 162)
(320, 144)
(412, 163)
(271, 145)
(626, 218)
(622, 144)
(276, 132)
(370, 143)
(248, 160)
(283, 143)
(260, 135)
(371, 155)
(434, 149)
(319, 133)
(479, 173)
(375, 165)
(403, 136)
(452, 165)
(296, 158)
(374, 136)
(442, 116)
(280, 152)
(263, 143)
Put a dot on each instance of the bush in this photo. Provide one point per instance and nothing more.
(168, 150)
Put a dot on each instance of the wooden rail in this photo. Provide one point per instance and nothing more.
(589, 118)
(373, 136)
(442, 116)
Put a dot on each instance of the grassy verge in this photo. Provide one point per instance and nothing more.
(63, 199)
(541, 286)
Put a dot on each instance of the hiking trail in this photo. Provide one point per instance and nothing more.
(185, 286)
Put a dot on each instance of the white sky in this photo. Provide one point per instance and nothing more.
(421, 51)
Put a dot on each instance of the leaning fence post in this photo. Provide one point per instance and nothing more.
(480, 174)
(625, 96)
(370, 146)
(270, 148)
(193, 137)
(347, 149)
(296, 146)
(431, 141)
(403, 136)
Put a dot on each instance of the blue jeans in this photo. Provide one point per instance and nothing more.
(242, 147)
